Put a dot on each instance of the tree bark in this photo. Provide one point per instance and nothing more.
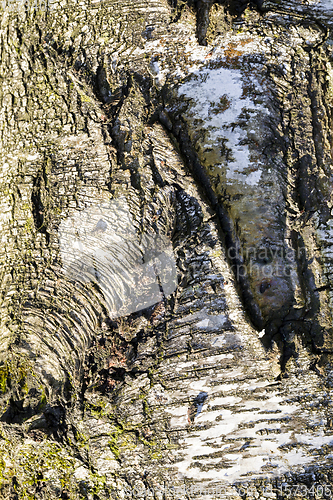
(166, 258)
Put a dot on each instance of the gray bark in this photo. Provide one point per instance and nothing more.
(126, 126)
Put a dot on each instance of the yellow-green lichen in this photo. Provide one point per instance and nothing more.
(3, 378)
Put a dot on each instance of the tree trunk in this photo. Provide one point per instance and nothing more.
(166, 258)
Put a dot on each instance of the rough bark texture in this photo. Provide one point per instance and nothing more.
(211, 123)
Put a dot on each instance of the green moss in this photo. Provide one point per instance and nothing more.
(98, 483)
(156, 456)
(25, 388)
(30, 467)
(29, 224)
(113, 444)
(84, 97)
(98, 409)
(147, 411)
(2, 469)
(43, 400)
(123, 438)
(114, 441)
(3, 378)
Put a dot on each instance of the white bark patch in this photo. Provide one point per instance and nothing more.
(100, 245)
(218, 101)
